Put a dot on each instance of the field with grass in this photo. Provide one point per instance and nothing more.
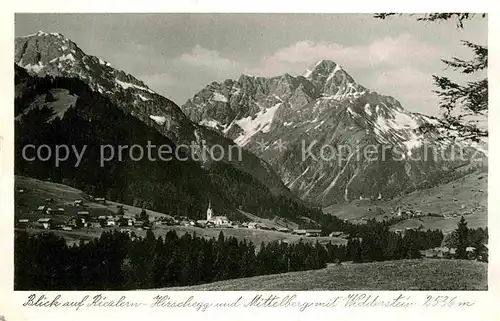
(36, 191)
(465, 195)
(256, 236)
(423, 274)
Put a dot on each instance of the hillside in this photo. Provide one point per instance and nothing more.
(466, 196)
(390, 275)
(52, 55)
(35, 192)
(173, 185)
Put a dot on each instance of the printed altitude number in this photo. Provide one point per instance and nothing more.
(445, 301)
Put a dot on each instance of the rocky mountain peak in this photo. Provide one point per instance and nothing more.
(52, 54)
(333, 81)
(37, 51)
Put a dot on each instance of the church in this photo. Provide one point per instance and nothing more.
(216, 220)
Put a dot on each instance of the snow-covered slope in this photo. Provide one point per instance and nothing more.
(315, 130)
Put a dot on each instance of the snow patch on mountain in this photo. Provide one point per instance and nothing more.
(219, 97)
(351, 112)
(332, 74)
(143, 98)
(319, 125)
(67, 57)
(105, 63)
(36, 68)
(414, 142)
(211, 123)
(261, 123)
(368, 110)
(160, 120)
(126, 85)
(290, 185)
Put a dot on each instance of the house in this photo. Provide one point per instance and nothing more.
(313, 232)
(55, 211)
(299, 232)
(41, 208)
(283, 229)
(252, 225)
(77, 203)
(22, 222)
(335, 234)
(111, 222)
(83, 215)
(221, 220)
(138, 223)
(46, 222)
(94, 224)
(201, 223)
(66, 228)
(100, 200)
(429, 253)
(443, 251)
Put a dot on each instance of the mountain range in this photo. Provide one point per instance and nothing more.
(304, 139)
(65, 96)
(316, 129)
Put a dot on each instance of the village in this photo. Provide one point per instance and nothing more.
(80, 217)
(77, 216)
(85, 216)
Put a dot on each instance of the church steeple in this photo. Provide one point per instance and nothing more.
(209, 210)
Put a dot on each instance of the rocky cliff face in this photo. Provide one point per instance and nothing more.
(329, 138)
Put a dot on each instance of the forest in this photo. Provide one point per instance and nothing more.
(118, 261)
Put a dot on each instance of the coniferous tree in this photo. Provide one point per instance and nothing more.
(462, 239)
(464, 106)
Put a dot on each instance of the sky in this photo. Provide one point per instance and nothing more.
(178, 54)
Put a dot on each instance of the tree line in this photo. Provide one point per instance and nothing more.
(119, 261)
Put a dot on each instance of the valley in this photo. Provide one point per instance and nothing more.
(438, 207)
(335, 187)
